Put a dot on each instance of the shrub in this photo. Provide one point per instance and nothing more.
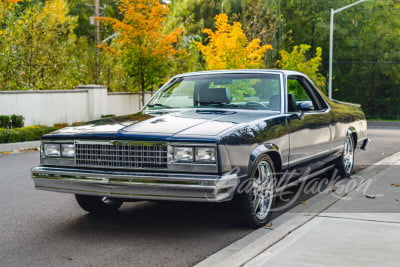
(29, 133)
(13, 121)
(17, 121)
(4, 121)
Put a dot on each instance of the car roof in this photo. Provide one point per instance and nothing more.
(285, 72)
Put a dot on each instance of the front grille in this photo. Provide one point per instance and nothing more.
(121, 155)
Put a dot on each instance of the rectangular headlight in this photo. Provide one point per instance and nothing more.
(52, 150)
(205, 154)
(183, 154)
(68, 150)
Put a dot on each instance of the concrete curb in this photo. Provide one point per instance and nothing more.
(384, 124)
(12, 147)
(257, 242)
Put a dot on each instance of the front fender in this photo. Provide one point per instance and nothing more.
(271, 149)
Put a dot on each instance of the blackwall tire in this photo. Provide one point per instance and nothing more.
(95, 204)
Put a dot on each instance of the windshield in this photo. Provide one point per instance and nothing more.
(231, 91)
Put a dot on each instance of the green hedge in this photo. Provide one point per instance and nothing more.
(29, 133)
(11, 121)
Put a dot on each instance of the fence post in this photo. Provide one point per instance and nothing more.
(97, 100)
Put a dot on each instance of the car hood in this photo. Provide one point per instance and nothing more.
(187, 122)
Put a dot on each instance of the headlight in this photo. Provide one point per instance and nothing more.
(192, 154)
(183, 154)
(52, 150)
(205, 154)
(59, 150)
(68, 150)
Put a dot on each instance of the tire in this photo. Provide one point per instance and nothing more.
(345, 163)
(94, 204)
(253, 206)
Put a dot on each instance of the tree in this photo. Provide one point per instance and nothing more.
(259, 19)
(5, 7)
(262, 20)
(366, 51)
(146, 52)
(297, 60)
(228, 47)
(366, 64)
(38, 48)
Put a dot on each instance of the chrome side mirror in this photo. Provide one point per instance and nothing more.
(304, 107)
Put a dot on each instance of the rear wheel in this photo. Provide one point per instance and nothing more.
(254, 204)
(95, 204)
(345, 163)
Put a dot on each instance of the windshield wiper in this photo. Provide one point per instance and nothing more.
(158, 105)
(217, 103)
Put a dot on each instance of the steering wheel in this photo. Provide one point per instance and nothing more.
(254, 105)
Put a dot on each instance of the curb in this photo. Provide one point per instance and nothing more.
(383, 124)
(15, 147)
(245, 249)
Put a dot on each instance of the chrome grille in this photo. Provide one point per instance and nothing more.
(121, 155)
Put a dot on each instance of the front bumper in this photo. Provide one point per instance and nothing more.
(136, 185)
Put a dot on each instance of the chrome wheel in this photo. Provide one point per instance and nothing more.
(253, 206)
(348, 155)
(262, 190)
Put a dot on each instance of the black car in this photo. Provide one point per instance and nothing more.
(206, 136)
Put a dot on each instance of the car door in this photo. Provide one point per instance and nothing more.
(310, 131)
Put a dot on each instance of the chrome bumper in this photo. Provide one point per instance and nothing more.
(136, 185)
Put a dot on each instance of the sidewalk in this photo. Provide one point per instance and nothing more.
(360, 229)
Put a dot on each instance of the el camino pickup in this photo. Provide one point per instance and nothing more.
(206, 136)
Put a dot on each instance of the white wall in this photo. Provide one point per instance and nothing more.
(67, 106)
(124, 103)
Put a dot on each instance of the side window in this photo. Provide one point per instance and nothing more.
(300, 92)
(297, 90)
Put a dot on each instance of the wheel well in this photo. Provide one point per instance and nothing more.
(276, 159)
(354, 136)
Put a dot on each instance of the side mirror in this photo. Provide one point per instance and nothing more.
(306, 106)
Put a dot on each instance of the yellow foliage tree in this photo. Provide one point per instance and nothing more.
(228, 47)
(146, 51)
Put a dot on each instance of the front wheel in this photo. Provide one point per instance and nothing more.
(345, 163)
(95, 204)
(255, 197)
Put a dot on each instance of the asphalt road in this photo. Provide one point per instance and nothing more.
(41, 228)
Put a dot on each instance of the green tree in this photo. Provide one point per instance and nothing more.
(365, 60)
(297, 60)
(366, 52)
